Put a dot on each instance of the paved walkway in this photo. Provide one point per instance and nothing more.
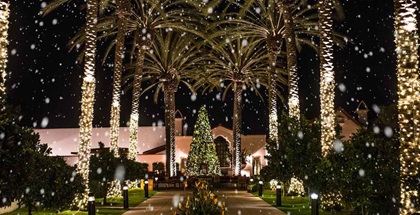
(237, 202)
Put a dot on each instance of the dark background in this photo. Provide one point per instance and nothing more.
(44, 78)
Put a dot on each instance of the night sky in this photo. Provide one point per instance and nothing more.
(44, 78)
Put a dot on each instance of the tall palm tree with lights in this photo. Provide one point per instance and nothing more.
(327, 86)
(4, 42)
(325, 9)
(93, 8)
(174, 58)
(88, 94)
(88, 99)
(234, 65)
(122, 8)
(286, 7)
(145, 21)
(263, 19)
(406, 40)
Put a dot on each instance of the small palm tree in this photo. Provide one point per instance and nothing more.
(235, 65)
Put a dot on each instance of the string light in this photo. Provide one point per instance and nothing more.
(4, 26)
(327, 87)
(272, 96)
(88, 92)
(406, 40)
(237, 127)
(88, 100)
(134, 117)
(296, 186)
(132, 150)
(327, 76)
(273, 116)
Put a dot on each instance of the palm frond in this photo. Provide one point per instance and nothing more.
(52, 6)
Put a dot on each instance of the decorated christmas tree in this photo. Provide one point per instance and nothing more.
(202, 158)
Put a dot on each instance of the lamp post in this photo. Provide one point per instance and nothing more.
(91, 204)
(260, 188)
(278, 195)
(146, 188)
(156, 182)
(125, 196)
(314, 204)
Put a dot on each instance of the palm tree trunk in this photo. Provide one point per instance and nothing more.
(272, 98)
(88, 100)
(294, 109)
(327, 75)
(169, 100)
(118, 67)
(134, 117)
(4, 27)
(330, 199)
(406, 40)
(237, 125)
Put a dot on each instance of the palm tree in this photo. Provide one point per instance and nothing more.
(88, 99)
(267, 25)
(4, 26)
(236, 64)
(122, 9)
(263, 20)
(146, 17)
(134, 116)
(93, 7)
(286, 7)
(406, 40)
(327, 87)
(174, 58)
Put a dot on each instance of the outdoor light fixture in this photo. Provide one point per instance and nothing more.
(157, 186)
(91, 204)
(314, 204)
(278, 195)
(406, 41)
(260, 188)
(146, 188)
(125, 196)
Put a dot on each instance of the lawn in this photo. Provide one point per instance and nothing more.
(292, 205)
(135, 196)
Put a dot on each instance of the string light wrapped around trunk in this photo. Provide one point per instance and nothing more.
(327, 76)
(406, 40)
(88, 101)
(4, 42)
